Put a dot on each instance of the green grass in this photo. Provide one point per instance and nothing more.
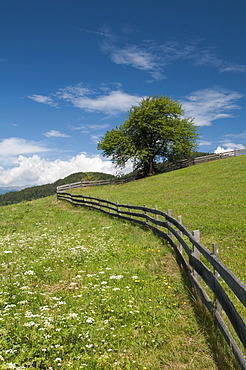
(82, 290)
(210, 197)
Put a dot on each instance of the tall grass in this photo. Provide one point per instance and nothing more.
(81, 290)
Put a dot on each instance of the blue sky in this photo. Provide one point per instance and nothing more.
(71, 69)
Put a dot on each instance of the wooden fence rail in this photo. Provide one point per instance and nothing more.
(188, 249)
(206, 158)
(81, 184)
(169, 167)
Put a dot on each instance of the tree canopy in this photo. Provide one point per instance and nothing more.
(154, 130)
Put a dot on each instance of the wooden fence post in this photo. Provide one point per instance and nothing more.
(83, 195)
(169, 212)
(217, 276)
(118, 208)
(180, 234)
(157, 217)
(196, 234)
(108, 205)
(129, 209)
(146, 221)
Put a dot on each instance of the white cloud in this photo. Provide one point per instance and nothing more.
(54, 133)
(70, 92)
(103, 100)
(210, 104)
(112, 103)
(153, 57)
(229, 147)
(12, 147)
(44, 100)
(95, 138)
(90, 127)
(219, 149)
(137, 58)
(197, 55)
(204, 143)
(229, 144)
(237, 136)
(143, 57)
(37, 171)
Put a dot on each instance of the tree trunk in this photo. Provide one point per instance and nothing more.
(151, 169)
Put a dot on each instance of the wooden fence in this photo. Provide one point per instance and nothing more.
(191, 254)
(169, 167)
(81, 184)
(206, 158)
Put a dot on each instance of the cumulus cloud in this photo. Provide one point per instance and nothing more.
(219, 150)
(54, 133)
(35, 170)
(210, 104)
(229, 147)
(229, 144)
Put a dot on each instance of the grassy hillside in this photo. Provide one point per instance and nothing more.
(80, 289)
(210, 197)
(40, 191)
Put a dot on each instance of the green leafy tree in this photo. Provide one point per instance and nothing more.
(155, 130)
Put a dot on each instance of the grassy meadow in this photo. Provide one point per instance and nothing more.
(83, 290)
(210, 197)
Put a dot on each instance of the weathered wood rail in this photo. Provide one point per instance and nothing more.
(206, 158)
(81, 184)
(188, 249)
(169, 167)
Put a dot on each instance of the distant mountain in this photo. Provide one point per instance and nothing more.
(8, 189)
(11, 195)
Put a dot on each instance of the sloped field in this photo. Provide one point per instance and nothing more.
(80, 290)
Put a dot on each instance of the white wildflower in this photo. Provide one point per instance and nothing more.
(11, 365)
(29, 272)
(72, 315)
(116, 277)
(90, 320)
(30, 323)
